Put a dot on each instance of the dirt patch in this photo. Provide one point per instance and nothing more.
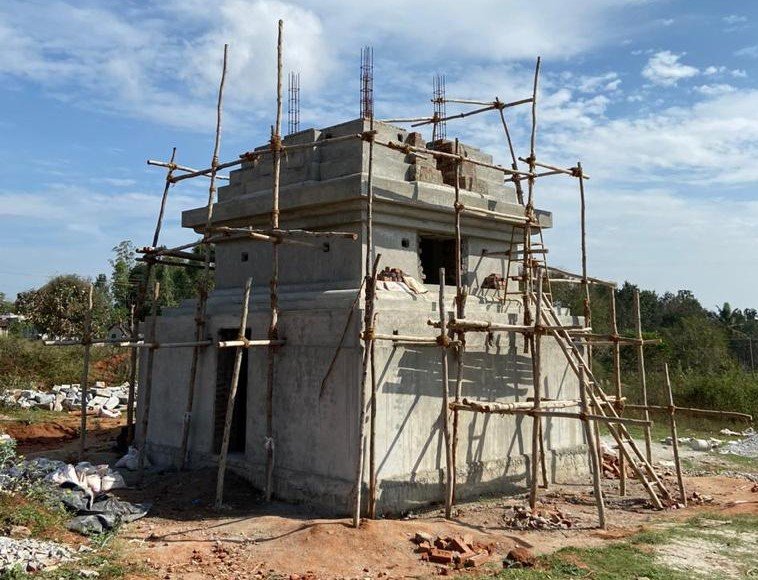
(712, 552)
(35, 436)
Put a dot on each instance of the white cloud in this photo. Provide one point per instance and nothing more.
(161, 62)
(715, 89)
(748, 51)
(664, 68)
(734, 19)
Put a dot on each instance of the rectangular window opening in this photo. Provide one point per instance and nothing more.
(437, 252)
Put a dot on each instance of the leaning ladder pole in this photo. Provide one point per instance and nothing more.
(593, 444)
(617, 384)
(586, 285)
(137, 306)
(674, 439)
(148, 388)
(445, 411)
(205, 279)
(643, 378)
(87, 341)
(273, 329)
(232, 397)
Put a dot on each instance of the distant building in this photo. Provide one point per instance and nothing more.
(7, 320)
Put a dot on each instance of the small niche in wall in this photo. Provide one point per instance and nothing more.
(326, 247)
(437, 252)
(244, 257)
(405, 242)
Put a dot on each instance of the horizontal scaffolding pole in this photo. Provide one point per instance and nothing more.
(284, 232)
(490, 106)
(160, 261)
(531, 412)
(691, 411)
(442, 155)
(579, 278)
(573, 171)
(245, 343)
(176, 167)
(163, 251)
(617, 339)
(469, 325)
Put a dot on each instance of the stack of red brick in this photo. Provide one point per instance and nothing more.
(458, 551)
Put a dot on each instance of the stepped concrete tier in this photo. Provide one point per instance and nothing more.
(316, 438)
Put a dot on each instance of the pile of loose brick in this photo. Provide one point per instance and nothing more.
(524, 519)
(456, 551)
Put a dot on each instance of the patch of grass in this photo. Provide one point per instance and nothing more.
(29, 416)
(44, 521)
(633, 558)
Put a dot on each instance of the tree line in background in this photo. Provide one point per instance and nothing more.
(711, 354)
(57, 308)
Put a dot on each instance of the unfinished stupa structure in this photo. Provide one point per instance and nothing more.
(316, 432)
(375, 327)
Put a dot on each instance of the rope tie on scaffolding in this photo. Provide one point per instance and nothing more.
(368, 334)
(443, 340)
(368, 136)
(576, 172)
(276, 142)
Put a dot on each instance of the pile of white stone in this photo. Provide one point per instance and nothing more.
(28, 555)
(106, 401)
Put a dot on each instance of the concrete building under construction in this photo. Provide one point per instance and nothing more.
(316, 426)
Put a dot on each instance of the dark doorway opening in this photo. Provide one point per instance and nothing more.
(437, 252)
(224, 371)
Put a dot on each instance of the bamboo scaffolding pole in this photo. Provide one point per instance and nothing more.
(232, 396)
(405, 148)
(176, 167)
(174, 264)
(592, 444)
(695, 412)
(617, 385)
(369, 321)
(510, 218)
(643, 378)
(273, 330)
(514, 161)
(87, 338)
(492, 106)
(148, 387)
(340, 343)
(460, 313)
(579, 277)
(471, 325)
(257, 153)
(573, 171)
(621, 436)
(537, 457)
(445, 411)
(133, 373)
(675, 439)
(204, 281)
(531, 412)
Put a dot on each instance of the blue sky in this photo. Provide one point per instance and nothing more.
(658, 99)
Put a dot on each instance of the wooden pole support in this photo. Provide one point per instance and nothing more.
(643, 378)
(445, 411)
(87, 336)
(674, 439)
(148, 387)
(232, 397)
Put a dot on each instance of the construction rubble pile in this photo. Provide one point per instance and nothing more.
(747, 447)
(28, 555)
(522, 518)
(81, 489)
(102, 400)
(456, 551)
